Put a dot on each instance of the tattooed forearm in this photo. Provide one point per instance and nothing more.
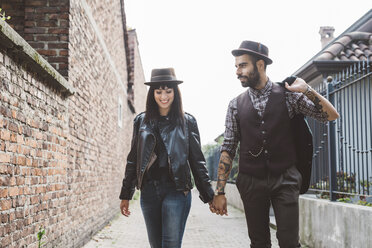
(315, 99)
(224, 169)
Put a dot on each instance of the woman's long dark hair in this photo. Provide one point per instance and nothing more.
(176, 111)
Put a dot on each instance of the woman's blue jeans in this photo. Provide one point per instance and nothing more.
(165, 211)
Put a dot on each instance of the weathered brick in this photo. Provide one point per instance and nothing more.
(35, 30)
(13, 126)
(4, 217)
(6, 204)
(47, 52)
(3, 193)
(4, 158)
(36, 3)
(13, 191)
(45, 37)
(5, 241)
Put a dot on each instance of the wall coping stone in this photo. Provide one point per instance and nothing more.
(16, 47)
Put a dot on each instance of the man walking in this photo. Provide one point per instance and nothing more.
(260, 119)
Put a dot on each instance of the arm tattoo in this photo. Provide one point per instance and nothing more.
(311, 95)
(224, 168)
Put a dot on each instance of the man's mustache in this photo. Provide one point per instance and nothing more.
(239, 77)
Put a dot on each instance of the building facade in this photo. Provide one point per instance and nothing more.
(71, 84)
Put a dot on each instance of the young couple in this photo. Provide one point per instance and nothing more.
(166, 149)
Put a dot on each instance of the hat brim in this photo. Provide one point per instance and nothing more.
(241, 51)
(169, 82)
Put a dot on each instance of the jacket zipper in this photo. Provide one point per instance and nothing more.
(152, 150)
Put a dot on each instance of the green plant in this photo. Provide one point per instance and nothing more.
(346, 200)
(364, 203)
(366, 185)
(3, 16)
(40, 235)
(136, 195)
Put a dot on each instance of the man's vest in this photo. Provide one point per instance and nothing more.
(267, 142)
(273, 142)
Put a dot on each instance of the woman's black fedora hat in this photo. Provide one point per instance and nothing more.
(163, 76)
(253, 48)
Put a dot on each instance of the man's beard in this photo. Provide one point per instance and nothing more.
(252, 80)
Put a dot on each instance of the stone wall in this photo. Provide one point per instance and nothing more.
(326, 224)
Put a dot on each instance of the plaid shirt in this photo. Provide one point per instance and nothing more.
(296, 103)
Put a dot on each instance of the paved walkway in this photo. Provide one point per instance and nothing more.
(203, 229)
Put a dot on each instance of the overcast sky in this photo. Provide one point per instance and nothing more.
(196, 38)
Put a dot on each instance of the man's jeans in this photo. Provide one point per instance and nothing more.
(165, 211)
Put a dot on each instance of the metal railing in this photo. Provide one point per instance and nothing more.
(342, 160)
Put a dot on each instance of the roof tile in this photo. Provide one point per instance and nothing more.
(353, 46)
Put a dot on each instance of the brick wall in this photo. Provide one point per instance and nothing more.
(16, 10)
(33, 156)
(62, 158)
(45, 25)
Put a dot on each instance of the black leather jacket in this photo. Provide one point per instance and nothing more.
(184, 153)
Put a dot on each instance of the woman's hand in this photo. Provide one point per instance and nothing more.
(124, 208)
(220, 205)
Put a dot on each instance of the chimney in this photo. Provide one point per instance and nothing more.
(326, 35)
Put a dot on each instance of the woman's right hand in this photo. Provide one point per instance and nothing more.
(124, 208)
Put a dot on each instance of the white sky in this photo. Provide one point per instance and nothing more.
(196, 38)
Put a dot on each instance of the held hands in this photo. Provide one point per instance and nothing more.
(124, 208)
(218, 205)
(299, 85)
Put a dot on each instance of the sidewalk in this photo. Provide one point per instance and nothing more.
(203, 229)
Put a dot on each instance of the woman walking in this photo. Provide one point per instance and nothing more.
(165, 150)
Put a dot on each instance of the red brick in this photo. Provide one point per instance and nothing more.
(58, 45)
(36, 3)
(12, 181)
(21, 160)
(35, 30)
(12, 216)
(46, 38)
(20, 139)
(13, 127)
(58, 31)
(37, 45)
(47, 52)
(13, 137)
(4, 158)
(4, 180)
(13, 191)
(14, 114)
(4, 218)
(3, 193)
(5, 241)
(34, 200)
(63, 53)
(6, 204)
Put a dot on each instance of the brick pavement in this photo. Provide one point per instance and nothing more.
(203, 229)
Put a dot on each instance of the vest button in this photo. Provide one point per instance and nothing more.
(262, 122)
(264, 141)
(266, 152)
(263, 132)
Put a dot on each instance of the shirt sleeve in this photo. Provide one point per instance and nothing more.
(298, 103)
(232, 132)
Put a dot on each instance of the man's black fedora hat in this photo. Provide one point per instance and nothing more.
(253, 48)
(163, 76)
